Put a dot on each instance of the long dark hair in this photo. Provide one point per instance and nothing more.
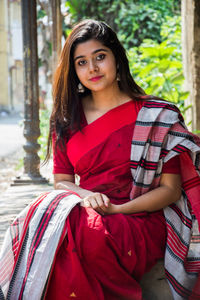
(66, 98)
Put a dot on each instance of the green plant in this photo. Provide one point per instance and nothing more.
(134, 21)
(157, 67)
(19, 165)
(82, 9)
(44, 132)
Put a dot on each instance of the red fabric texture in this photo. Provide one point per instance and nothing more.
(64, 160)
(104, 257)
(172, 166)
(61, 163)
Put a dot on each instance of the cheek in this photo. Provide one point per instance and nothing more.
(113, 70)
(111, 66)
(80, 73)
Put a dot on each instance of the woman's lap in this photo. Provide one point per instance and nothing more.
(104, 257)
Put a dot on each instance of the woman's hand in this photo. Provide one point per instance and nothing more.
(99, 202)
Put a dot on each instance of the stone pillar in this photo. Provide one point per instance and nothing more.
(56, 31)
(191, 57)
(31, 95)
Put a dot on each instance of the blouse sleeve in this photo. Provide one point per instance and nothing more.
(61, 163)
(172, 166)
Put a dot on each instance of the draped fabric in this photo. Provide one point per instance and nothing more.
(107, 255)
(159, 135)
(30, 245)
(41, 234)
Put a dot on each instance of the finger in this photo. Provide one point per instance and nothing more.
(94, 203)
(99, 200)
(106, 200)
(100, 211)
(86, 203)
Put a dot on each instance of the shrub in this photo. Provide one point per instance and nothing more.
(157, 67)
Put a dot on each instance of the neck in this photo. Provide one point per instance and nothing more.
(104, 100)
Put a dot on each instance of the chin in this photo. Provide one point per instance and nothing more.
(96, 89)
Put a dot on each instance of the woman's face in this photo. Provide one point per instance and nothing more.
(95, 65)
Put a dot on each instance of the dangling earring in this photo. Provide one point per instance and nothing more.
(81, 88)
(118, 76)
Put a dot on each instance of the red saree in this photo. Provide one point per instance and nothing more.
(56, 249)
(104, 257)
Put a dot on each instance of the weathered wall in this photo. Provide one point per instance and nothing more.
(4, 97)
(11, 66)
(191, 57)
(16, 56)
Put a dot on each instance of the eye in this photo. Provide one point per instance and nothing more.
(100, 57)
(81, 62)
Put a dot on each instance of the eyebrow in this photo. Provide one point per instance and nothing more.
(94, 52)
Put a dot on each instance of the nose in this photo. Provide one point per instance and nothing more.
(93, 67)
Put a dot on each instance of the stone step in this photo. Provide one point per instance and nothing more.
(154, 284)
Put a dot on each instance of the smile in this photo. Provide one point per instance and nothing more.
(94, 79)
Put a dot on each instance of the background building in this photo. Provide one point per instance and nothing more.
(11, 61)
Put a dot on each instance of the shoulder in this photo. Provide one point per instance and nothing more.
(158, 109)
(156, 103)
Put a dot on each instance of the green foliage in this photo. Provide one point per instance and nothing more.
(139, 20)
(157, 67)
(82, 9)
(41, 14)
(167, 7)
(20, 164)
(134, 21)
(44, 132)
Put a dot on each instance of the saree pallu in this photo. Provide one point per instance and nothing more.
(160, 137)
(30, 245)
(30, 242)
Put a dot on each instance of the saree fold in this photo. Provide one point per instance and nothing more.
(30, 245)
(157, 139)
(44, 230)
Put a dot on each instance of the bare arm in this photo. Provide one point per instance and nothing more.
(168, 192)
(97, 201)
(67, 181)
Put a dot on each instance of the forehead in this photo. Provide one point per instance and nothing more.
(88, 48)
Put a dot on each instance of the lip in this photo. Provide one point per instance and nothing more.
(94, 79)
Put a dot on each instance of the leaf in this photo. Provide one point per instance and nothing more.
(68, 31)
(174, 96)
(186, 108)
(149, 52)
(146, 70)
(152, 89)
(196, 131)
(41, 14)
(184, 95)
(177, 78)
(158, 81)
(176, 64)
(166, 52)
(163, 65)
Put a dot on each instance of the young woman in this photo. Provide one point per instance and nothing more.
(124, 146)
